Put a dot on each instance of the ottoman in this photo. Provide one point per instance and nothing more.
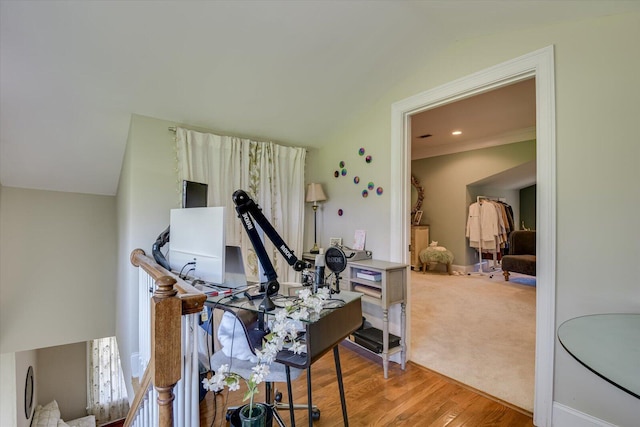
(436, 254)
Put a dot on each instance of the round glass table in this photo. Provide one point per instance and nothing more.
(608, 345)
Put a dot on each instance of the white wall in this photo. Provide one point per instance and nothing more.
(13, 375)
(57, 268)
(147, 191)
(598, 154)
(8, 390)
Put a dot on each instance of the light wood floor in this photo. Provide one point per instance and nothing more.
(414, 397)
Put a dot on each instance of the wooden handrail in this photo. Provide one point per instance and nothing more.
(192, 299)
(172, 299)
(140, 395)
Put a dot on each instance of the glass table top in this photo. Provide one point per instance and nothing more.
(240, 301)
(608, 345)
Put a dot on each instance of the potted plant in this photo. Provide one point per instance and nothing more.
(283, 333)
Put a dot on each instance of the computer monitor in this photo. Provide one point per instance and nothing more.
(197, 245)
(234, 275)
(194, 194)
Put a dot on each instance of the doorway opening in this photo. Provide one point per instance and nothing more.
(539, 65)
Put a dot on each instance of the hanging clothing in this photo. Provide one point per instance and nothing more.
(482, 224)
(491, 221)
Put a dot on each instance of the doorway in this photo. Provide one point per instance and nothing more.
(538, 64)
(476, 329)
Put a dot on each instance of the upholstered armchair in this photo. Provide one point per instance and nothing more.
(522, 254)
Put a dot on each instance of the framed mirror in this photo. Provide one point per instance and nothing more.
(28, 393)
(419, 191)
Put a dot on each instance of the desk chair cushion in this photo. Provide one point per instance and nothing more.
(232, 335)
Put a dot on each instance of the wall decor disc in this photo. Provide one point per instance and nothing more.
(336, 174)
(340, 212)
(361, 151)
(379, 191)
(356, 179)
(368, 159)
(365, 193)
(28, 393)
(371, 186)
(342, 164)
(344, 172)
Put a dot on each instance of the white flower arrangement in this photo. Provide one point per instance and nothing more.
(283, 333)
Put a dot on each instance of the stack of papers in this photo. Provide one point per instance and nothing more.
(369, 275)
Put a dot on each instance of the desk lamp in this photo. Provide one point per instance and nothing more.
(315, 194)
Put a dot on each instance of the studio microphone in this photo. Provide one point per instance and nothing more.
(319, 282)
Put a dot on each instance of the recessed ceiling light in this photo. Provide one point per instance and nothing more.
(456, 132)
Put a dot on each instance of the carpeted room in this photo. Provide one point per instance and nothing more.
(478, 330)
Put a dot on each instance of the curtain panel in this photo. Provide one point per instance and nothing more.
(107, 392)
(273, 175)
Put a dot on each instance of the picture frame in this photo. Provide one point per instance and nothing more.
(335, 241)
(417, 217)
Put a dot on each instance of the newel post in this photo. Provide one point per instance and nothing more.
(166, 311)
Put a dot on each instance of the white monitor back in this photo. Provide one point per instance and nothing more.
(197, 235)
(234, 275)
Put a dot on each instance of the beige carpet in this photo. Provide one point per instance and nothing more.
(477, 330)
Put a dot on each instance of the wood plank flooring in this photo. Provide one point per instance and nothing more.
(414, 397)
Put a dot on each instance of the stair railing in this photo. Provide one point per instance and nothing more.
(168, 393)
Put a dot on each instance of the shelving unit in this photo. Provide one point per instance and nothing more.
(419, 241)
(389, 290)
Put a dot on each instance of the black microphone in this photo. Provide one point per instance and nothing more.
(319, 273)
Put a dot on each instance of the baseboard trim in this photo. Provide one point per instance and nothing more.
(565, 416)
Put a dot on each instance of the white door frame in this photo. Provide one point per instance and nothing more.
(538, 64)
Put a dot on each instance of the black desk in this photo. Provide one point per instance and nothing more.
(608, 345)
(324, 331)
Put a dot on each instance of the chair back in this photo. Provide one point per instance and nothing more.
(522, 242)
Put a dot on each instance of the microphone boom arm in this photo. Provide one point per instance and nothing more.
(250, 213)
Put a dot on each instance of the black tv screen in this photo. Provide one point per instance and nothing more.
(194, 194)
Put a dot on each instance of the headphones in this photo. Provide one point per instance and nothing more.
(162, 240)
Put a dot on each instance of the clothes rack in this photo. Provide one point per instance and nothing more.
(481, 239)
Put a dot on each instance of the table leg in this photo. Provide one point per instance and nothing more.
(385, 342)
(403, 326)
(309, 399)
(343, 401)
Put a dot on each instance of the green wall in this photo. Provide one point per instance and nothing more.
(445, 180)
(528, 208)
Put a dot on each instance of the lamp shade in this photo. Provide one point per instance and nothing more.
(315, 193)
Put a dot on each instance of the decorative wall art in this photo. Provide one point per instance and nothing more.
(418, 204)
(370, 186)
(28, 393)
(417, 217)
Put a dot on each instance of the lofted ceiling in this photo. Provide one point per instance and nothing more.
(73, 72)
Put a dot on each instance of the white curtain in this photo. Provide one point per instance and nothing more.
(271, 174)
(107, 393)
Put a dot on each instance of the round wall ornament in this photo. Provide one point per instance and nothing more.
(28, 393)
